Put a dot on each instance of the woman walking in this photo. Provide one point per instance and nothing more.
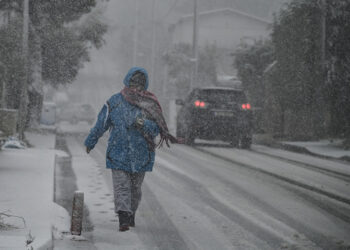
(134, 118)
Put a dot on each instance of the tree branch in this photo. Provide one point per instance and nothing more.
(10, 215)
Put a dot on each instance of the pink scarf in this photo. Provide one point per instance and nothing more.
(148, 102)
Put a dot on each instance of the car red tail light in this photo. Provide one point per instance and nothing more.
(199, 104)
(246, 106)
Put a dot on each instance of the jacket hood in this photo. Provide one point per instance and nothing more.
(131, 72)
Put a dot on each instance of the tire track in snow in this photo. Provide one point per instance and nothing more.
(248, 223)
(280, 177)
(204, 195)
(333, 173)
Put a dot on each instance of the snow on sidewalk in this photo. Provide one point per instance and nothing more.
(319, 162)
(327, 148)
(26, 190)
(99, 200)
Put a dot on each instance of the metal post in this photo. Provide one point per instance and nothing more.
(24, 92)
(194, 46)
(77, 213)
(136, 32)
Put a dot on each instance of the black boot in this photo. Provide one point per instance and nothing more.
(132, 220)
(123, 221)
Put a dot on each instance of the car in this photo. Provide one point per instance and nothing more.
(48, 113)
(75, 113)
(216, 113)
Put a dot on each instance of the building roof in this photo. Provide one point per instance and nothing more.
(224, 11)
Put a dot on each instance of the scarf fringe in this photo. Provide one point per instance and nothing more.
(168, 137)
(154, 110)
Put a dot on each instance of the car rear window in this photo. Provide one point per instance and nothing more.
(221, 95)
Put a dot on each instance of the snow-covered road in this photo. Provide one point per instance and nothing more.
(222, 198)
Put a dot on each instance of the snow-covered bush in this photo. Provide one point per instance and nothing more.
(13, 142)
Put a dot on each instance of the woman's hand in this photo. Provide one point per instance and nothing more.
(139, 122)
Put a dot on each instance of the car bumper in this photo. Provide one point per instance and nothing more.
(221, 129)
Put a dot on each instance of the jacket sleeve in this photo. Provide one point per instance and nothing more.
(151, 128)
(102, 124)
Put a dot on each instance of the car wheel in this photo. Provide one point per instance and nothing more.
(189, 138)
(185, 133)
(189, 135)
(245, 142)
(235, 142)
(179, 131)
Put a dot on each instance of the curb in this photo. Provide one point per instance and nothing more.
(68, 241)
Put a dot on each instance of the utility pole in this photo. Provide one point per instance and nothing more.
(3, 96)
(319, 112)
(323, 35)
(24, 92)
(194, 47)
(153, 56)
(6, 20)
(4, 88)
(136, 32)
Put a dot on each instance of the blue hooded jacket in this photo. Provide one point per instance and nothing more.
(127, 149)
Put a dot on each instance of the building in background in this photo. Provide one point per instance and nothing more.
(226, 28)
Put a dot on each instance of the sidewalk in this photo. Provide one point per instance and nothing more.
(26, 191)
(99, 199)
